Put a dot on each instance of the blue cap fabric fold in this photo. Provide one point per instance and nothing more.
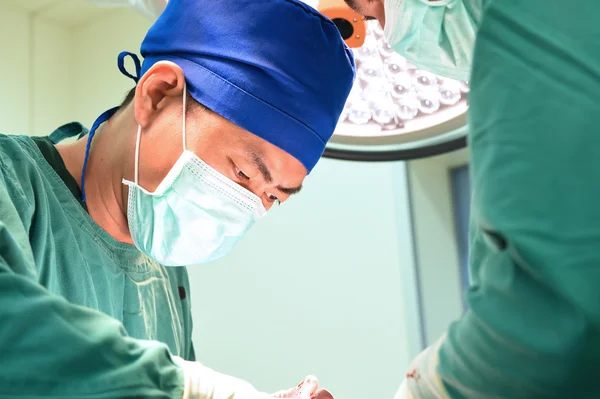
(277, 68)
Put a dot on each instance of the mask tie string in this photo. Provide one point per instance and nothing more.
(108, 114)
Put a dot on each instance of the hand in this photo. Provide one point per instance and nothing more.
(307, 389)
(323, 394)
(422, 380)
(204, 383)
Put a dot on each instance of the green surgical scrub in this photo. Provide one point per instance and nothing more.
(533, 328)
(81, 315)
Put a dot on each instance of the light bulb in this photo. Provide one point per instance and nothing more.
(368, 49)
(425, 80)
(401, 91)
(384, 113)
(394, 66)
(359, 113)
(385, 49)
(429, 102)
(449, 97)
(370, 69)
(407, 109)
(402, 85)
(450, 92)
(364, 52)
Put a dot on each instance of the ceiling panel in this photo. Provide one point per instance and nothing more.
(31, 5)
(73, 12)
(67, 13)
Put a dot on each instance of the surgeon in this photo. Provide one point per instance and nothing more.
(533, 325)
(232, 107)
(435, 35)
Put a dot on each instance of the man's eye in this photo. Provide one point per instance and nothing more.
(241, 174)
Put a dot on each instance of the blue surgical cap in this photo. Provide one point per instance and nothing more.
(277, 68)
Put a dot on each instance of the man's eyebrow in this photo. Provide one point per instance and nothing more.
(259, 161)
(354, 5)
(357, 8)
(290, 191)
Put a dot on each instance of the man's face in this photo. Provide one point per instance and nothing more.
(370, 9)
(253, 163)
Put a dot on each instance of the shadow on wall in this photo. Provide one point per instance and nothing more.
(461, 196)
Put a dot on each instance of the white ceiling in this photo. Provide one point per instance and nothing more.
(64, 12)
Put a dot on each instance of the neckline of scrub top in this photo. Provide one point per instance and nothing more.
(52, 156)
(127, 256)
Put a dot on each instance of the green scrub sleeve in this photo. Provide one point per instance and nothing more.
(53, 349)
(192, 354)
(533, 325)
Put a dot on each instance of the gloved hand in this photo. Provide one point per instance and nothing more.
(204, 383)
(307, 389)
(422, 380)
(322, 394)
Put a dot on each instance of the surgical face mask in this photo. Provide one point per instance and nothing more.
(195, 215)
(435, 35)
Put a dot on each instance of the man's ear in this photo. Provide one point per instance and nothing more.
(164, 80)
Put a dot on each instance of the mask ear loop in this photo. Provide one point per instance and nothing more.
(139, 137)
(184, 113)
(138, 140)
(108, 114)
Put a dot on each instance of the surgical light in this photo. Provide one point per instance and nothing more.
(389, 90)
